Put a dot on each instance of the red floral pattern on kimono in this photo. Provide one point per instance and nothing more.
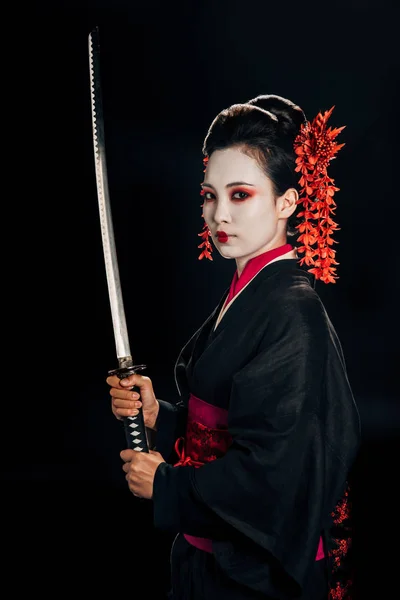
(341, 587)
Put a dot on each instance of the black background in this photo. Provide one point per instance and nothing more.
(167, 70)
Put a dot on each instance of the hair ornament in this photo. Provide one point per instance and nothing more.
(315, 147)
(205, 233)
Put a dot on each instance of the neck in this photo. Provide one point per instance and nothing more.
(242, 262)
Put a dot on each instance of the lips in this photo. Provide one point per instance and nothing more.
(222, 236)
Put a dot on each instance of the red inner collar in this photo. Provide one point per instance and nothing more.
(253, 266)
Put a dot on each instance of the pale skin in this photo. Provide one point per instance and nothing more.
(249, 212)
(255, 221)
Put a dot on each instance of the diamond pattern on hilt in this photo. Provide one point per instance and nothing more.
(134, 434)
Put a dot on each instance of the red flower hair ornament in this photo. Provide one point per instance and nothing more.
(205, 232)
(315, 147)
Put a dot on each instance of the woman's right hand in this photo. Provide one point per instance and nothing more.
(126, 403)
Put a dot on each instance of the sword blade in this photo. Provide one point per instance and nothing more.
(135, 430)
(107, 230)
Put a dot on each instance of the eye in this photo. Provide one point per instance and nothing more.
(240, 195)
(207, 195)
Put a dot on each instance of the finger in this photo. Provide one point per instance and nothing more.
(126, 412)
(124, 394)
(127, 454)
(135, 379)
(114, 381)
(118, 403)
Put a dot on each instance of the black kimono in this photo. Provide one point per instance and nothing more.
(275, 482)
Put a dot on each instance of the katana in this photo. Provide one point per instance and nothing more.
(135, 431)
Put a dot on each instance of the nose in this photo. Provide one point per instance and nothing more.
(222, 214)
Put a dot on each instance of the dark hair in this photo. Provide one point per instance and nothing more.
(264, 128)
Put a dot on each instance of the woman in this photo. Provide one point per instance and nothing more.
(250, 466)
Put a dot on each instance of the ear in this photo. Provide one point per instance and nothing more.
(287, 203)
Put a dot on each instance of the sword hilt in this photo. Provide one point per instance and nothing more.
(134, 427)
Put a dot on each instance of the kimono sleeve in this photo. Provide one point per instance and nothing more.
(285, 469)
(172, 416)
(170, 424)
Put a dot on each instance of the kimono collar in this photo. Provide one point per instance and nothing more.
(253, 266)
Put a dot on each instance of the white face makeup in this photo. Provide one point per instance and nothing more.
(239, 200)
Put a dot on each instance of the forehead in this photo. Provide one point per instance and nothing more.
(230, 164)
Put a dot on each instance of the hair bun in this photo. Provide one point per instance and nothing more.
(289, 115)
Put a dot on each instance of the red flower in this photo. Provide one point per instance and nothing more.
(205, 233)
(206, 253)
(315, 147)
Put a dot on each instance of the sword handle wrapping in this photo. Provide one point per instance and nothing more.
(134, 427)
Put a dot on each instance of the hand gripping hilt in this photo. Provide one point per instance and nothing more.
(134, 427)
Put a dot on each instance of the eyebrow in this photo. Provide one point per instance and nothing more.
(228, 185)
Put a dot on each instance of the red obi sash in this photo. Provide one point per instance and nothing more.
(207, 438)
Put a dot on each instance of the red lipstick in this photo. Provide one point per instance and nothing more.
(222, 236)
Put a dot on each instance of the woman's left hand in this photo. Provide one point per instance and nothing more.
(140, 469)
